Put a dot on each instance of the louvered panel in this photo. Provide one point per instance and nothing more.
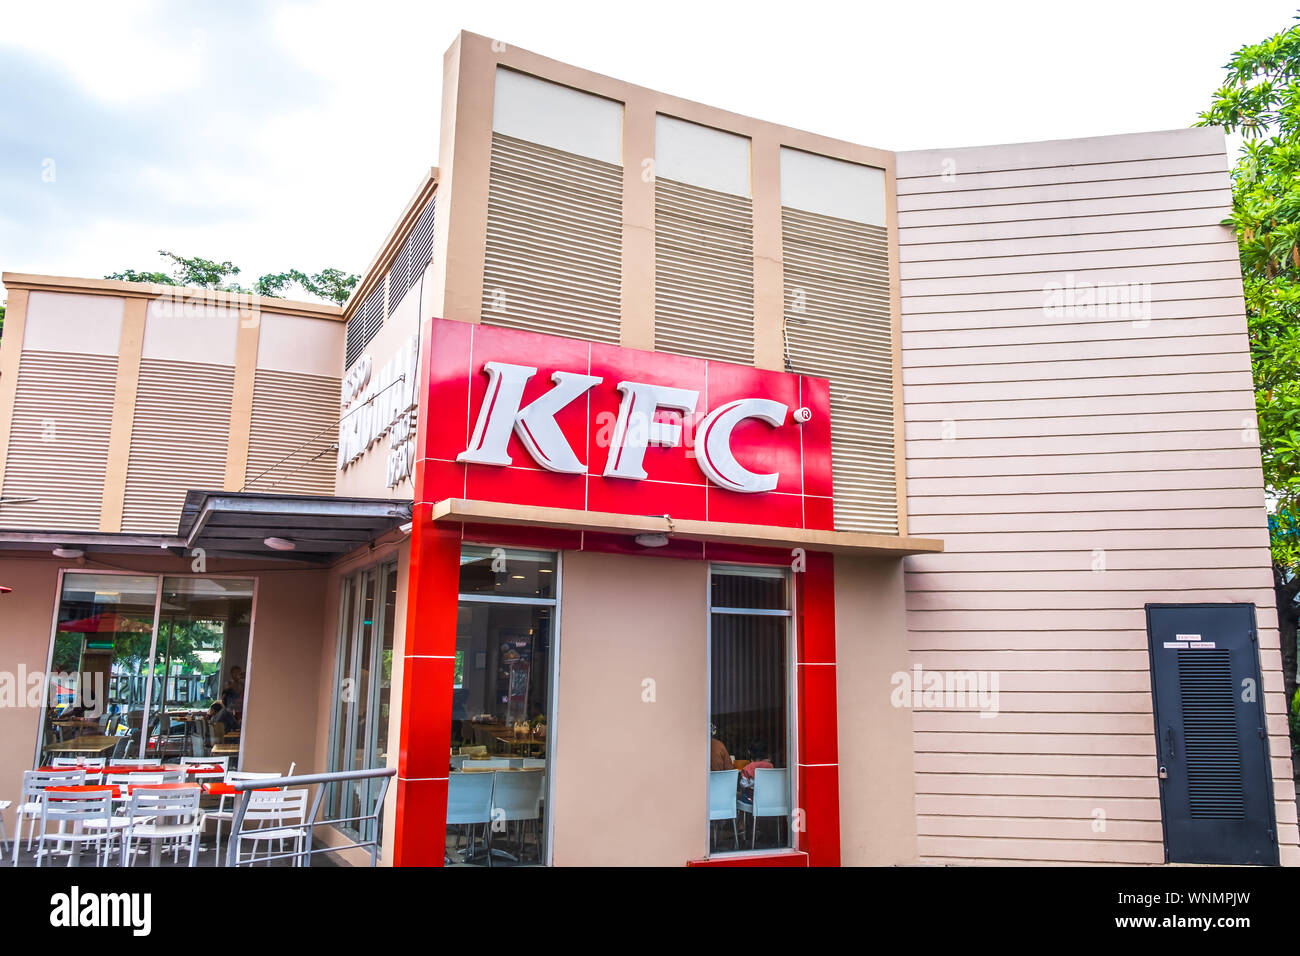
(58, 445)
(838, 326)
(399, 277)
(364, 325)
(290, 448)
(421, 241)
(554, 242)
(178, 440)
(1210, 738)
(704, 273)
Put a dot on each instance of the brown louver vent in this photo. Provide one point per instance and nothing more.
(704, 273)
(58, 445)
(290, 446)
(838, 326)
(1210, 739)
(554, 242)
(178, 440)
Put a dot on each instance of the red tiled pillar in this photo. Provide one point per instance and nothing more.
(427, 667)
(429, 655)
(819, 781)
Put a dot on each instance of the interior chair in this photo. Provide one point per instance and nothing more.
(469, 804)
(769, 798)
(722, 801)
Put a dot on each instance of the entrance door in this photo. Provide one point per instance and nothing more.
(1216, 787)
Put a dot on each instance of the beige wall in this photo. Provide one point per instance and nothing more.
(1077, 467)
(877, 794)
(630, 777)
(26, 617)
(280, 706)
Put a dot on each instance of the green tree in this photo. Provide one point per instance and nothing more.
(332, 285)
(1260, 101)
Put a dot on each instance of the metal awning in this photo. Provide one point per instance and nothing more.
(318, 527)
(841, 542)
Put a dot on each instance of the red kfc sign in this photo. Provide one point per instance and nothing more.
(526, 418)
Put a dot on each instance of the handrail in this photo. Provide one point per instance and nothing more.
(244, 787)
(306, 779)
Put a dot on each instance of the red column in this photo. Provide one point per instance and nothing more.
(427, 673)
(819, 780)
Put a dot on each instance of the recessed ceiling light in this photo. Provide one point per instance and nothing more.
(279, 544)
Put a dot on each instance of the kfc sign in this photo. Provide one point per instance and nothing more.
(525, 418)
(635, 431)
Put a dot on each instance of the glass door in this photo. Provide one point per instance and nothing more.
(363, 678)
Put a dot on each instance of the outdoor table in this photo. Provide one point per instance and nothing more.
(226, 749)
(219, 788)
(199, 769)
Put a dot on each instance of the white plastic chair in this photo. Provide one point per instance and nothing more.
(74, 813)
(722, 800)
(770, 798)
(222, 814)
(94, 768)
(469, 803)
(29, 804)
(161, 815)
(517, 798)
(277, 815)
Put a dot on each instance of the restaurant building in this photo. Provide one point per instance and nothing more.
(657, 436)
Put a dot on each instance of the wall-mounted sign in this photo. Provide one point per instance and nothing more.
(375, 405)
(538, 419)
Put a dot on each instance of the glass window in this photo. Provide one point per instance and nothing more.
(749, 694)
(507, 572)
(363, 679)
(501, 705)
(139, 663)
(198, 674)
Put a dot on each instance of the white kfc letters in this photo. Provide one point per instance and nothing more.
(634, 431)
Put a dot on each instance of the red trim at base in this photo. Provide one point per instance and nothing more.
(782, 858)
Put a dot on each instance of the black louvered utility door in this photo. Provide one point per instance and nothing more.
(1216, 787)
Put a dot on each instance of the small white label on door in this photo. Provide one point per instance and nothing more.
(1176, 645)
(1187, 637)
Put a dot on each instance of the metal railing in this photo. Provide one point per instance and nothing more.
(365, 822)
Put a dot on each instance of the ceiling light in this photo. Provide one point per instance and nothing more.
(68, 552)
(5, 590)
(654, 540)
(279, 544)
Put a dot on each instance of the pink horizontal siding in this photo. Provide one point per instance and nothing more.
(1041, 443)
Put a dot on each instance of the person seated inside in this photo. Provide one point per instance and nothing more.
(719, 758)
(220, 720)
(758, 759)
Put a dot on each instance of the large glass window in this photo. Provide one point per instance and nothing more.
(363, 678)
(750, 765)
(146, 666)
(501, 706)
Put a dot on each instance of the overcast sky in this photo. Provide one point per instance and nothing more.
(291, 135)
